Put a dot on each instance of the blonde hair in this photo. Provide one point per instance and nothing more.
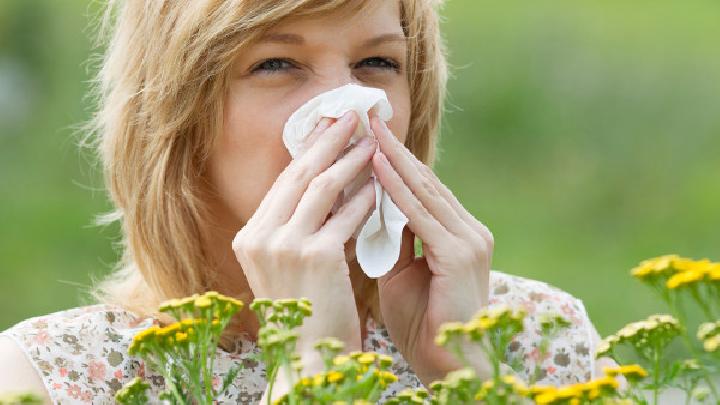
(160, 91)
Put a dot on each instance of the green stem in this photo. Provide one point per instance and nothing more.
(273, 376)
(656, 373)
(291, 382)
(698, 299)
(677, 311)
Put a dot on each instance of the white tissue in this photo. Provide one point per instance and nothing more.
(378, 241)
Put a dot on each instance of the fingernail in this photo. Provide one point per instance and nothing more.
(324, 123)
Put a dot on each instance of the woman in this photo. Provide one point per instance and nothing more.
(194, 96)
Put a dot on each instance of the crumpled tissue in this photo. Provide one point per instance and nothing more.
(378, 241)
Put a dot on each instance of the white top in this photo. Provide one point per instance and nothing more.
(81, 353)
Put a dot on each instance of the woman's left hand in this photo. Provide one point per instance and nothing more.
(450, 282)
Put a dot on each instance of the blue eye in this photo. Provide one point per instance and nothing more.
(276, 65)
(386, 63)
(271, 65)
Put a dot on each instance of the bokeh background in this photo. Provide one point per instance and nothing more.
(586, 135)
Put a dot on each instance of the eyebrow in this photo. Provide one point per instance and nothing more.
(294, 39)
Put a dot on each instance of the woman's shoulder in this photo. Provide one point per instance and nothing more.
(534, 297)
(81, 353)
(78, 331)
(568, 357)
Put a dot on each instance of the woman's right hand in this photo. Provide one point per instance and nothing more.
(287, 249)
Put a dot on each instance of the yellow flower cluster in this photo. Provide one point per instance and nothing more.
(709, 334)
(680, 271)
(323, 379)
(175, 334)
(409, 396)
(632, 372)
(198, 305)
(662, 265)
(485, 321)
(210, 309)
(690, 271)
(345, 372)
(662, 327)
(508, 385)
(574, 394)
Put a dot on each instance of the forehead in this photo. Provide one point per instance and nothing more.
(347, 19)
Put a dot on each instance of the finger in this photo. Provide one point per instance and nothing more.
(292, 182)
(467, 217)
(321, 127)
(320, 196)
(445, 192)
(420, 221)
(417, 180)
(342, 225)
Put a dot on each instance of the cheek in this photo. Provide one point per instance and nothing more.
(400, 122)
(248, 156)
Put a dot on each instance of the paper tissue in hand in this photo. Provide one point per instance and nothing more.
(378, 241)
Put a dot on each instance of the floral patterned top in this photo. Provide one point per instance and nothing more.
(81, 353)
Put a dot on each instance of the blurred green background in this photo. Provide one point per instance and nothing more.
(586, 135)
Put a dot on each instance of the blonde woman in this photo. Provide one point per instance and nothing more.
(193, 96)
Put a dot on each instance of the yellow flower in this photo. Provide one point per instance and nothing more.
(606, 381)
(202, 302)
(630, 370)
(340, 360)
(319, 379)
(693, 265)
(684, 278)
(566, 392)
(181, 337)
(366, 358)
(655, 266)
(712, 344)
(172, 303)
(708, 329)
(545, 398)
(334, 376)
(487, 323)
(385, 360)
(388, 377)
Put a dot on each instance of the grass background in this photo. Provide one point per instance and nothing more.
(585, 135)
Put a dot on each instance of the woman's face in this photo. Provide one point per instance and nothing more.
(297, 60)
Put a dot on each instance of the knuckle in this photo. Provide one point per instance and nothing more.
(481, 249)
(325, 183)
(425, 170)
(427, 186)
(298, 171)
(283, 247)
(247, 247)
(417, 206)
